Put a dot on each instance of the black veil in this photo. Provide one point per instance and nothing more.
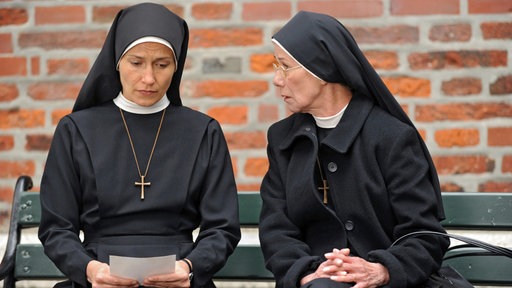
(147, 19)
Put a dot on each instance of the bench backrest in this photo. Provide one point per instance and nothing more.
(482, 211)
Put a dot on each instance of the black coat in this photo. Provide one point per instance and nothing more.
(380, 190)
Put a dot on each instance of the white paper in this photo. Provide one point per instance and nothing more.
(140, 268)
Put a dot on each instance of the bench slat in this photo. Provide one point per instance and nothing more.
(246, 262)
(477, 210)
(32, 263)
(481, 269)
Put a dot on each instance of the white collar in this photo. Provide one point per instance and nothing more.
(135, 108)
(330, 121)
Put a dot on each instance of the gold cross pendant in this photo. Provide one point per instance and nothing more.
(142, 183)
(324, 188)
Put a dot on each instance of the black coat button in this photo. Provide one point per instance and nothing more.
(332, 167)
(349, 225)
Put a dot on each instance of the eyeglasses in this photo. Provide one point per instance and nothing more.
(279, 67)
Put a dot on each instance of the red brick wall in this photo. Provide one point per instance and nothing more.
(447, 61)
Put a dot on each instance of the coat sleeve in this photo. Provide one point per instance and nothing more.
(414, 204)
(61, 205)
(286, 255)
(219, 231)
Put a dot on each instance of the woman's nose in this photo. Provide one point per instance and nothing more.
(278, 79)
(148, 76)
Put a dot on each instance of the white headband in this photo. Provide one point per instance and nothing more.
(284, 49)
(149, 39)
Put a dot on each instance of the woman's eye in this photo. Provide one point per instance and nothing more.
(162, 65)
(136, 63)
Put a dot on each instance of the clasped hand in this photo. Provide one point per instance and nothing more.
(341, 267)
(98, 274)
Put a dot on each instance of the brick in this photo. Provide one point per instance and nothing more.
(499, 136)
(38, 142)
(462, 86)
(234, 115)
(212, 11)
(451, 187)
(260, 11)
(248, 187)
(62, 39)
(59, 15)
(13, 66)
(13, 16)
(502, 85)
(262, 63)
(461, 164)
(176, 9)
(506, 165)
(462, 111)
(35, 65)
(457, 59)
(228, 65)
(228, 88)
(256, 167)
(344, 8)
(24, 118)
(268, 113)
(64, 67)
(105, 14)
(397, 34)
(58, 114)
(408, 86)
(246, 140)
(494, 186)
(489, 6)
(6, 43)
(496, 30)
(234, 163)
(221, 37)
(6, 142)
(13, 169)
(448, 138)
(423, 134)
(407, 7)
(5, 196)
(384, 60)
(8, 92)
(53, 90)
(450, 33)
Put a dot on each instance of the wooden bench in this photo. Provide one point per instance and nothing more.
(467, 211)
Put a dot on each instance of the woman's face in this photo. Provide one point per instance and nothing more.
(300, 90)
(146, 72)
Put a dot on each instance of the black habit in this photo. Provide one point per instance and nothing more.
(89, 180)
(382, 180)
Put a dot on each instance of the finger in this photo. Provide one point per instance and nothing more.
(343, 277)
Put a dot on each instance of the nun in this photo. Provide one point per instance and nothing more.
(348, 171)
(132, 172)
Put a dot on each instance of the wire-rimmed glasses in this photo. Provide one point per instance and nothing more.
(279, 67)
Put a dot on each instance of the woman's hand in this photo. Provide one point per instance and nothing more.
(98, 274)
(350, 269)
(324, 270)
(178, 279)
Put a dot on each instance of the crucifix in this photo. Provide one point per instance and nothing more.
(324, 188)
(142, 184)
(324, 181)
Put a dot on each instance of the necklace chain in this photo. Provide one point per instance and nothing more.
(142, 176)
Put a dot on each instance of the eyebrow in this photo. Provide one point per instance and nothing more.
(157, 59)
